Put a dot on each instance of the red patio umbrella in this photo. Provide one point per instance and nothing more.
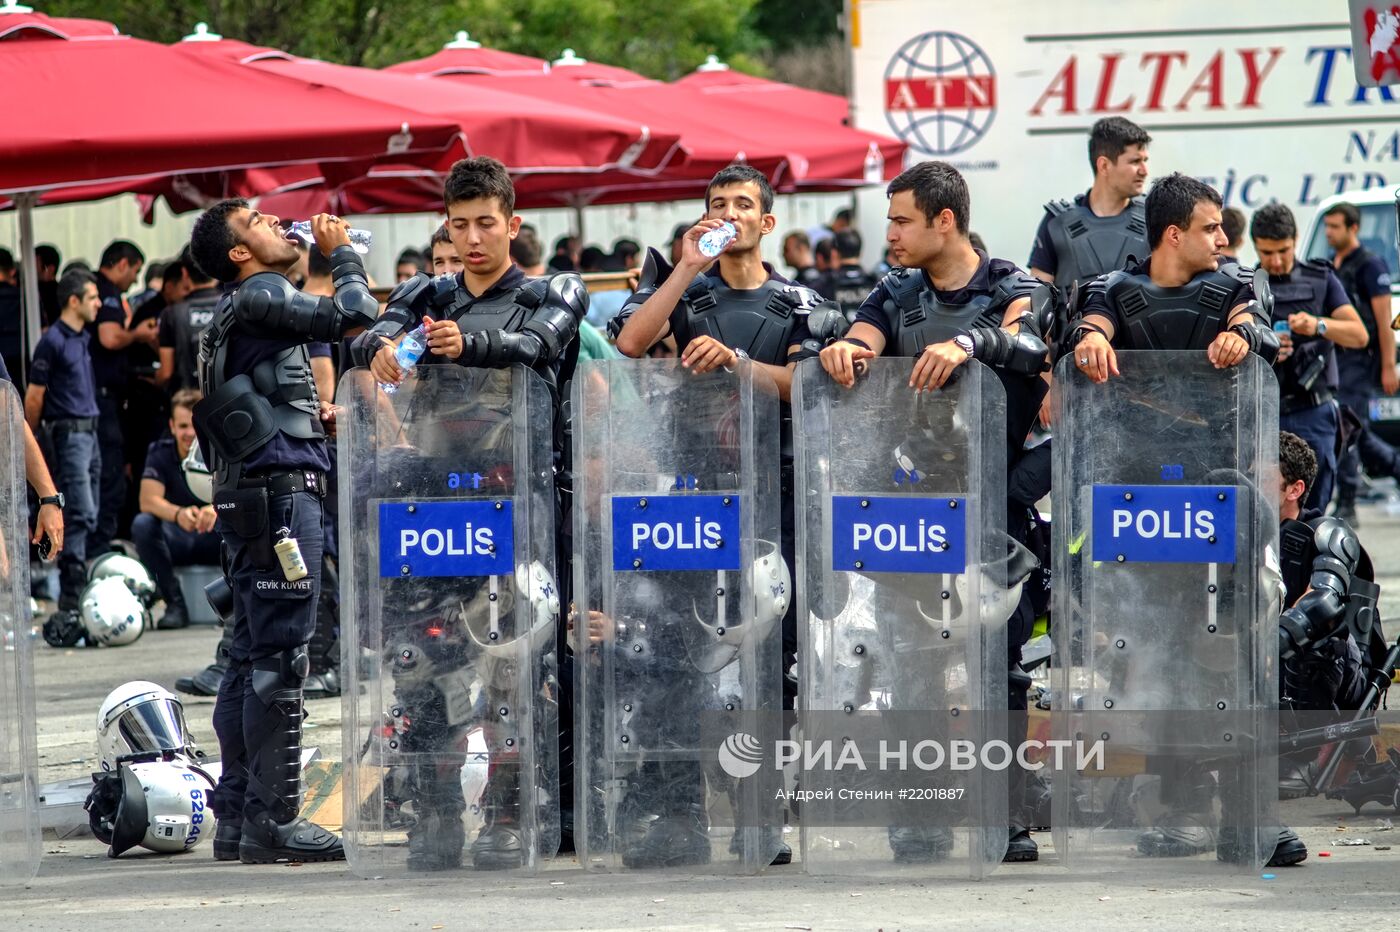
(22, 23)
(463, 55)
(718, 79)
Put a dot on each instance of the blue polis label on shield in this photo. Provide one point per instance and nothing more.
(898, 535)
(675, 532)
(1164, 524)
(446, 538)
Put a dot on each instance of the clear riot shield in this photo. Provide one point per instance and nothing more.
(902, 612)
(19, 752)
(1166, 604)
(680, 591)
(450, 606)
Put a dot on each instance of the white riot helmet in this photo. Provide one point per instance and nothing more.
(490, 618)
(110, 613)
(161, 804)
(140, 718)
(129, 570)
(197, 475)
(772, 591)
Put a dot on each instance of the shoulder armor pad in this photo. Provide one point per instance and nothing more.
(1056, 207)
(902, 285)
(655, 271)
(1334, 538)
(802, 298)
(408, 293)
(262, 295)
(1017, 284)
(442, 289)
(566, 290)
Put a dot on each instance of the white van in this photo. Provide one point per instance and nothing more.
(1378, 234)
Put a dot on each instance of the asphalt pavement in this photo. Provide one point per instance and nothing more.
(78, 887)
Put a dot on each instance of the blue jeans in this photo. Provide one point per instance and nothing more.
(164, 545)
(112, 486)
(1318, 426)
(77, 474)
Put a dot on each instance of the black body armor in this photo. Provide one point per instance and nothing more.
(1308, 377)
(1087, 245)
(1187, 317)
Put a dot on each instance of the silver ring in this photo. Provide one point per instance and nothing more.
(1084, 360)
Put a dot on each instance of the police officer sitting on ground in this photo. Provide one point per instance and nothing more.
(491, 316)
(62, 397)
(174, 527)
(261, 432)
(1361, 373)
(1330, 582)
(1310, 305)
(948, 303)
(1099, 230)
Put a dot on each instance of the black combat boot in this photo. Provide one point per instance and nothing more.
(1187, 828)
(206, 682)
(273, 830)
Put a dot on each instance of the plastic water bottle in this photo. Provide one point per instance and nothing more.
(713, 242)
(360, 240)
(410, 350)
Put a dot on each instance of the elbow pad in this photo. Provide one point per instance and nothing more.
(1023, 353)
(357, 306)
(1262, 340)
(555, 322)
(827, 323)
(1318, 612)
(406, 304)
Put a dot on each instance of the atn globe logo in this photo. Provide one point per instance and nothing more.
(740, 755)
(940, 93)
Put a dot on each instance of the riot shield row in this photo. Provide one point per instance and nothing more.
(902, 755)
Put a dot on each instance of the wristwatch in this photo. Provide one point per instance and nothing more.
(964, 343)
(1322, 327)
(53, 500)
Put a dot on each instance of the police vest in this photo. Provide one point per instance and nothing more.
(241, 413)
(1364, 361)
(1185, 317)
(760, 321)
(919, 318)
(1309, 376)
(1087, 245)
(850, 286)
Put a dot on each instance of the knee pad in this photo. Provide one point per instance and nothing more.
(285, 670)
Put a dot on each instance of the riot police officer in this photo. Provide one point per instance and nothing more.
(1099, 230)
(490, 315)
(739, 308)
(260, 427)
(847, 284)
(1176, 298)
(1310, 304)
(946, 304)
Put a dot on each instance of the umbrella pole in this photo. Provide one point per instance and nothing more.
(578, 221)
(29, 281)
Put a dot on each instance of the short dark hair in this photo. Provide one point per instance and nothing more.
(185, 398)
(75, 265)
(48, 255)
(119, 249)
(1273, 221)
(7, 260)
(1111, 136)
(154, 270)
(742, 174)
(213, 237)
(525, 248)
(800, 237)
(316, 262)
(1350, 215)
(1296, 460)
(481, 176)
(937, 187)
(565, 243)
(847, 244)
(197, 275)
(443, 235)
(680, 230)
(591, 259)
(1171, 201)
(625, 248)
(845, 214)
(824, 249)
(173, 269)
(1232, 222)
(410, 255)
(72, 286)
